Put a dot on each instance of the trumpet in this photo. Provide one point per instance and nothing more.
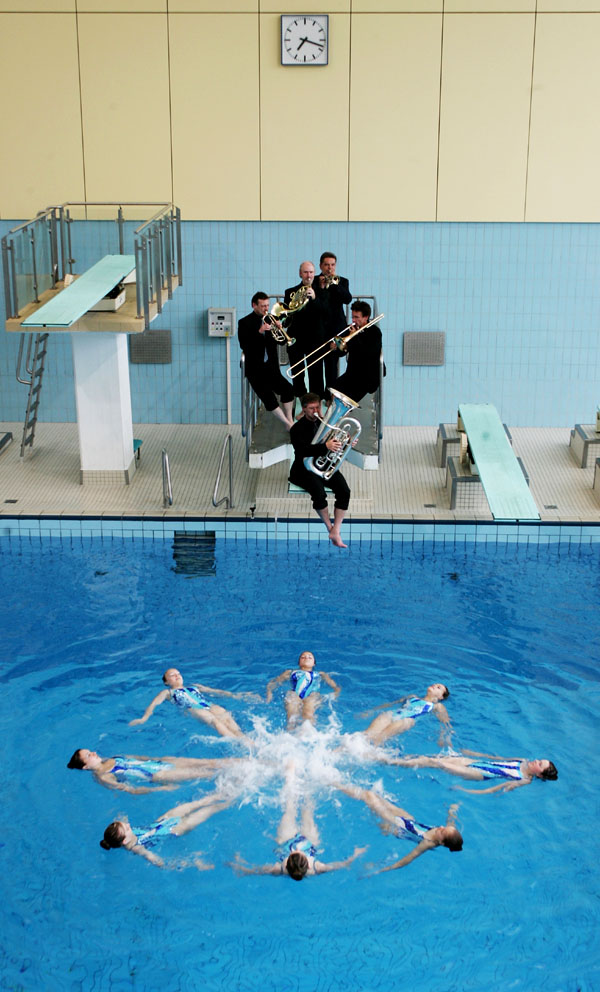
(340, 342)
(331, 281)
(280, 335)
(337, 426)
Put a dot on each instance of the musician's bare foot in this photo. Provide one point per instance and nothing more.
(335, 538)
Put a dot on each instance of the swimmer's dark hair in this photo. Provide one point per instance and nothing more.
(550, 773)
(76, 761)
(114, 835)
(447, 692)
(454, 842)
(297, 865)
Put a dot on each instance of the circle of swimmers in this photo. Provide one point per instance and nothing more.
(297, 834)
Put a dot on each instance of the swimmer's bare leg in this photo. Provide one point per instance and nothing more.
(288, 825)
(385, 726)
(199, 812)
(308, 825)
(309, 706)
(382, 807)
(292, 709)
(220, 719)
(190, 768)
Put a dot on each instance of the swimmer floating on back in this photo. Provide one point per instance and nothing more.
(175, 822)
(192, 700)
(400, 823)
(304, 695)
(132, 773)
(297, 842)
(400, 720)
(512, 772)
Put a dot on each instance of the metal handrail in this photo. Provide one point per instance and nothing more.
(166, 480)
(249, 407)
(225, 499)
(28, 368)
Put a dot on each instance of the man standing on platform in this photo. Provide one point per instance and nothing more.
(301, 436)
(364, 355)
(262, 361)
(305, 326)
(333, 293)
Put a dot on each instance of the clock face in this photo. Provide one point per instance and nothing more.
(304, 39)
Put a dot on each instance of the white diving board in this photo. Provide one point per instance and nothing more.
(503, 481)
(75, 300)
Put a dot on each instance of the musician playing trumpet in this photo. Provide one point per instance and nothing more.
(364, 353)
(262, 361)
(301, 436)
(306, 328)
(333, 293)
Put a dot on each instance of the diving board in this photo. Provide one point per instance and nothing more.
(502, 479)
(64, 309)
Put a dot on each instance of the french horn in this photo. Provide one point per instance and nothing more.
(335, 425)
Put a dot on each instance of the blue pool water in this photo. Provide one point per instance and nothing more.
(89, 627)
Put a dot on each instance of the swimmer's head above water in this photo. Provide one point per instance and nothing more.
(451, 838)
(297, 865)
(115, 835)
(306, 661)
(173, 678)
(437, 692)
(542, 768)
(82, 758)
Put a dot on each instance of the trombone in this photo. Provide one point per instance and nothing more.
(298, 368)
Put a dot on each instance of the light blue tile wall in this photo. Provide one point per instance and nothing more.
(520, 305)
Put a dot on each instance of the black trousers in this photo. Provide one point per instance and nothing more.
(315, 487)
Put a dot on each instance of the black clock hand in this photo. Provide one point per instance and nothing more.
(302, 41)
(317, 43)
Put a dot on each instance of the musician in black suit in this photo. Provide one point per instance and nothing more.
(305, 326)
(262, 361)
(332, 296)
(301, 436)
(364, 354)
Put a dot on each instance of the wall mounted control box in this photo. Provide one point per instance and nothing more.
(221, 322)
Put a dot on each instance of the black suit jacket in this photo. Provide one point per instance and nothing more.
(305, 325)
(332, 302)
(256, 345)
(364, 352)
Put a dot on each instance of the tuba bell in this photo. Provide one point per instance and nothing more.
(337, 426)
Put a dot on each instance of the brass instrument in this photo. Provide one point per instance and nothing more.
(280, 335)
(331, 281)
(298, 301)
(298, 368)
(334, 425)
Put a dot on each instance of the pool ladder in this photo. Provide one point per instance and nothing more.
(34, 365)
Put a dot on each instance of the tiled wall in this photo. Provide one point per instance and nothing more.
(519, 303)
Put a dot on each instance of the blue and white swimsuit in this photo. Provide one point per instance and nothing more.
(149, 836)
(297, 843)
(499, 769)
(410, 829)
(413, 708)
(189, 698)
(303, 683)
(132, 770)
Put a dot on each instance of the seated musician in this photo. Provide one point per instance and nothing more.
(301, 436)
(305, 326)
(364, 353)
(262, 361)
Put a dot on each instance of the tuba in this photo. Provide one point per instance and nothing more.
(335, 424)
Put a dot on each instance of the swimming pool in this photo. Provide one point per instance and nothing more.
(89, 626)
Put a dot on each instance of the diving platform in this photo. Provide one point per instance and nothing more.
(501, 475)
(65, 308)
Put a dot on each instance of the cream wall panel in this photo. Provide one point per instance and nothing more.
(216, 162)
(122, 6)
(41, 6)
(397, 6)
(565, 139)
(486, 82)
(213, 6)
(489, 6)
(304, 7)
(304, 128)
(568, 6)
(41, 161)
(125, 100)
(394, 115)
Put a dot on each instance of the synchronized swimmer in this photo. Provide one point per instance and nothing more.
(513, 772)
(304, 695)
(134, 773)
(192, 700)
(398, 721)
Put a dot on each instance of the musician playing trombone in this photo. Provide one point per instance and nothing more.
(262, 361)
(364, 354)
(301, 436)
(333, 293)
(306, 328)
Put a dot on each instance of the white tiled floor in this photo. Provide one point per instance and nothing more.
(409, 484)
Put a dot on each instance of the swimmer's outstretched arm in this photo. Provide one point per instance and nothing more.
(502, 787)
(221, 692)
(241, 867)
(164, 694)
(384, 706)
(321, 866)
(421, 848)
(275, 682)
(154, 859)
(330, 682)
(110, 782)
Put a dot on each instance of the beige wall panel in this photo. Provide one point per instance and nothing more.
(486, 82)
(216, 171)
(311, 7)
(125, 99)
(568, 6)
(565, 141)
(397, 6)
(489, 6)
(32, 6)
(304, 129)
(122, 6)
(394, 116)
(41, 161)
(213, 6)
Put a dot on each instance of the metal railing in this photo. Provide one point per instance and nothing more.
(250, 405)
(225, 499)
(37, 254)
(166, 480)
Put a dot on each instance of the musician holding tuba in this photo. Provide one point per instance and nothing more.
(333, 293)
(306, 328)
(363, 348)
(301, 436)
(262, 361)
